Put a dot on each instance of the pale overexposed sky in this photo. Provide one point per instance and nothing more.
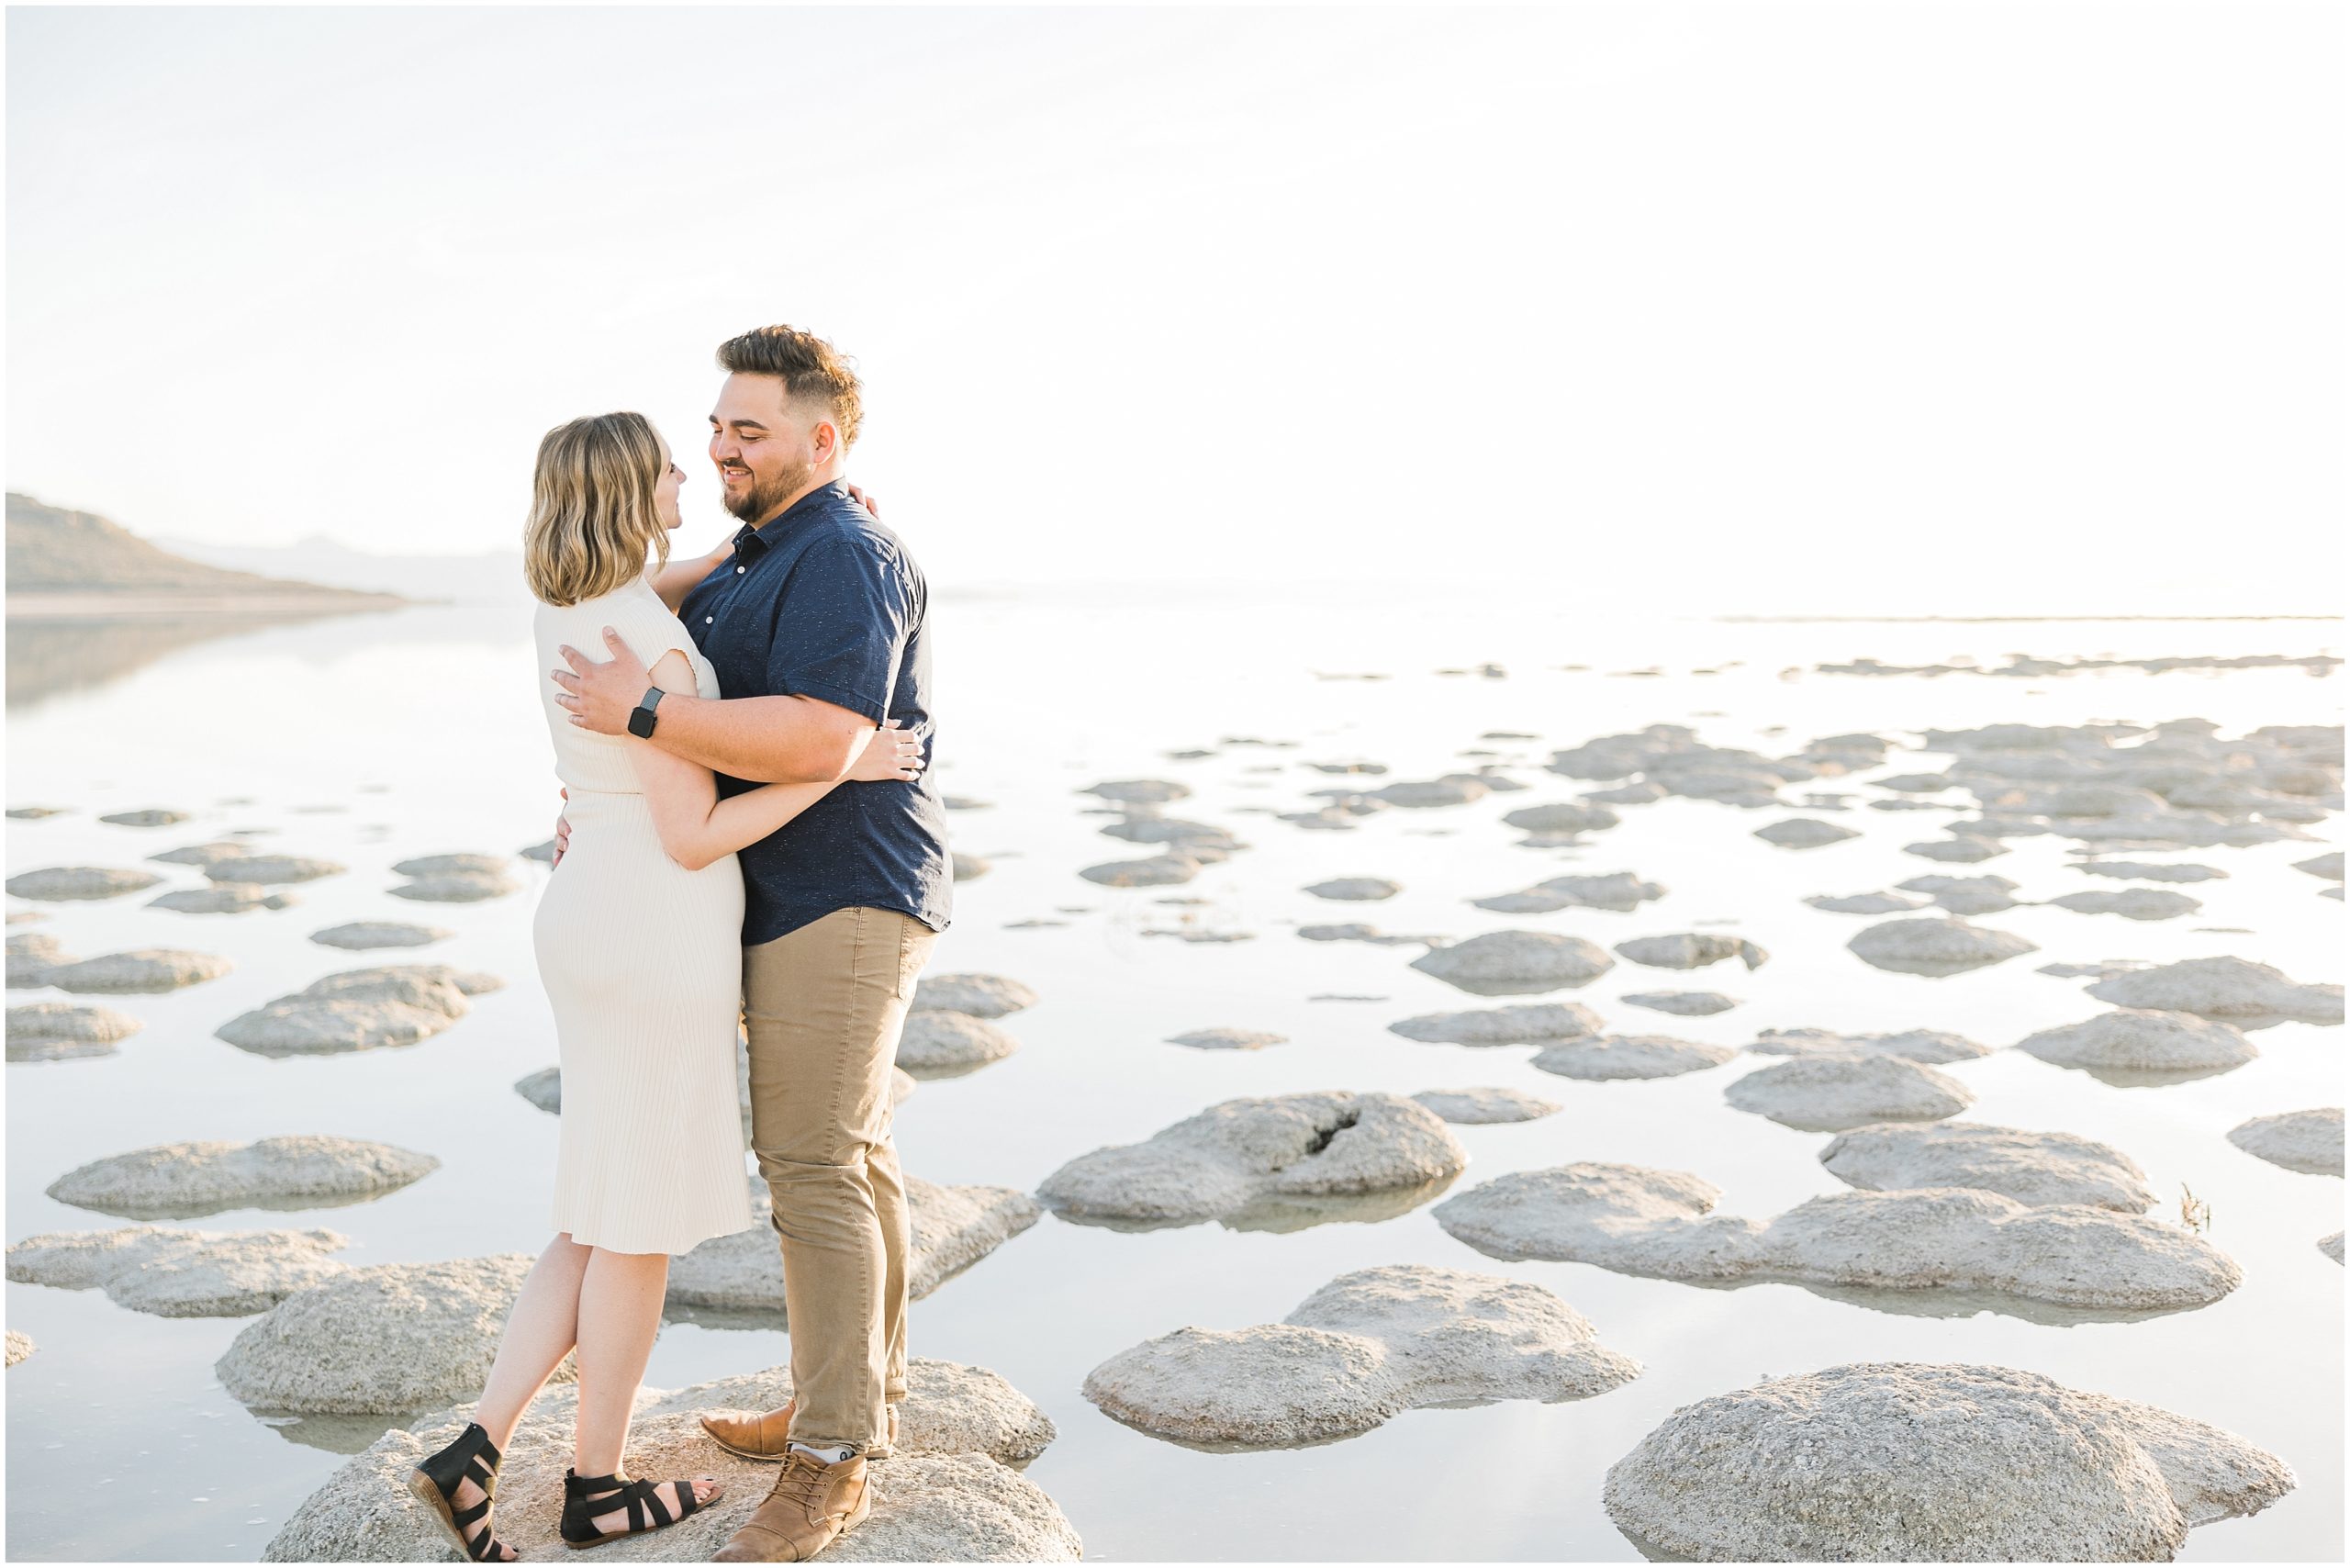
(1842, 308)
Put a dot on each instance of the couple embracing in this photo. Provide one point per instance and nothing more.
(749, 838)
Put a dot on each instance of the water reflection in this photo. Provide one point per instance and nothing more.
(52, 658)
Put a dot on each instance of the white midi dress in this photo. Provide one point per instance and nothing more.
(641, 961)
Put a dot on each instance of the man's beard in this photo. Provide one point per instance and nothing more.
(757, 504)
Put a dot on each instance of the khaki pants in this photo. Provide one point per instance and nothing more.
(823, 1006)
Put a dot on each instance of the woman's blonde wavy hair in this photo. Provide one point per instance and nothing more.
(592, 517)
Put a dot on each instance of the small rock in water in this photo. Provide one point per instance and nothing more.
(20, 1345)
(2307, 1141)
(1629, 1056)
(222, 898)
(140, 970)
(271, 868)
(185, 1180)
(971, 868)
(152, 816)
(1965, 895)
(1513, 963)
(2331, 1246)
(2143, 1039)
(2222, 988)
(359, 936)
(2151, 870)
(1158, 871)
(1691, 950)
(2327, 865)
(1804, 832)
(1865, 903)
(1539, 1022)
(1222, 1039)
(1480, 1107)
(181, 1273)
(939, 1043)
(1359, 1350)
(1139, 792)
(1831, 1094)
(457, 887)
(2130, 903)
(982, 996)
(1452, 789)
(2033, 1168)
(35, 813)
(203, 854)
(1562, 816)
(358, 1010)
(1962, 847)
(1684, 1004)
(381, 1340)
(58, 1031)
(1930, 1464)
(542, 852)
(61, 883)
(1929, 945)
(31, 955)
(966, 803)
(1346, 931)
(542, 1089)
(453, 865)
(1661, 1223)
(1356, 888)
(1918, 1045)
(1276, 1162)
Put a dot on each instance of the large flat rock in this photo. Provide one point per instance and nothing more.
(181, 1273)
(185, 1180)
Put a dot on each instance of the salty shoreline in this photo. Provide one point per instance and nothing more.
(172, 606)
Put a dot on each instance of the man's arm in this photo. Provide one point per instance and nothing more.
(768, 740)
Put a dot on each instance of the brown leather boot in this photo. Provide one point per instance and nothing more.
(811, 1505)
(768, 1436)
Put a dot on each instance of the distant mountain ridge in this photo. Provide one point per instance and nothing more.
(493, 576)
(55, 551)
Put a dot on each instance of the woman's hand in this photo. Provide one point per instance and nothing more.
(892, 753)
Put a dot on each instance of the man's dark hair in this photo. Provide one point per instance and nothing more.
(809, 367)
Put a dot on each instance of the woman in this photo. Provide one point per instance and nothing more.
(638, 940)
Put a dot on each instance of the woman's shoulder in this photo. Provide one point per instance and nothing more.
(633, 596)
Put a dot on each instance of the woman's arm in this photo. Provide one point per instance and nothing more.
(673, 582)
(696, 828)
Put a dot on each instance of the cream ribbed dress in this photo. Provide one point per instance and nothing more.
(643, 962)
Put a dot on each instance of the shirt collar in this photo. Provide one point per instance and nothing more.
(751, 542)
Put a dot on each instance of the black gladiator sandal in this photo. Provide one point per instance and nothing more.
(584, 1497)
(472, 1457)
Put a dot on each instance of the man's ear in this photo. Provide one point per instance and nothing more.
(825, 436)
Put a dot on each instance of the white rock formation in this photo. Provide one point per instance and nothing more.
(1294, 1149)
(1918, 1045)
(982, 996)
(1630, 1055)
(2142, 1039)
(1910, 1463)
(2222, 988)
(1830, 1094)
(1519, 1024)
(1477, 1107)
(1662, 1223)
(140, 970)
(939, 1043)
(2307, 1141)
(1515, 963)
(1927, 945)
(199, 1178)
(1362, 1349)
(181, 1273)
(1225, 1038)
(2034, 1167)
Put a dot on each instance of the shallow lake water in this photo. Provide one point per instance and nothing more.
(371, 739)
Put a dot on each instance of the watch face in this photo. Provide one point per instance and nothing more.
(639, 723)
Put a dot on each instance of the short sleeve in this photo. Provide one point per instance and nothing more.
(650, 631)
(842, 638)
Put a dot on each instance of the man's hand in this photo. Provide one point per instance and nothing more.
(601, 696)
(561, 833)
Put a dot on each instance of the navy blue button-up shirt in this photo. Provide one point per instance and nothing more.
(823, 601)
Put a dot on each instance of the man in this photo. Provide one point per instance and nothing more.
(814, 619)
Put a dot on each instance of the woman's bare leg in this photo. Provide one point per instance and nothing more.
(619, 1313)
(540, 1331)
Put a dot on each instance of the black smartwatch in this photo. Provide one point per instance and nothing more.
(640, 718)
